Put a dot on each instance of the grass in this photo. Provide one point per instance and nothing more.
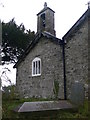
(56, 88)
(10, 104)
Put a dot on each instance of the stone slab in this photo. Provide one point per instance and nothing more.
(44, 106)
(77, 93)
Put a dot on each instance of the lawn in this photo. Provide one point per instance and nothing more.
(9, 105)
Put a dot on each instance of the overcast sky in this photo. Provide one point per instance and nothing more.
(67, 12)
(10, 75)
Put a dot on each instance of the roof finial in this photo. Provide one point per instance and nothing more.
(88, 4)
(45, 5)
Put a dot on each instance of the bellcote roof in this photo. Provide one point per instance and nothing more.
(45, 8)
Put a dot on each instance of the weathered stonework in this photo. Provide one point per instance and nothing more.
(51, 70)
(76, 57)
(58, 74)
(47, 23)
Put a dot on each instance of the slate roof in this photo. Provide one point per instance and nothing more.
(44, 9)
(80, 21)
(51, 37)
(35, 41)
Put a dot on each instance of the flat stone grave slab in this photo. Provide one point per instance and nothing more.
(44, 106)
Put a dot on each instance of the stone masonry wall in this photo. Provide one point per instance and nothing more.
(76, 57)
(51, 70)
(49, 22)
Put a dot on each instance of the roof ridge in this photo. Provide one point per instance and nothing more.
(77, 23)
(45, 9)
(33, 43)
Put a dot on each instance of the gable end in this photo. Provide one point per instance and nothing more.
(35, 41)
(77, 25)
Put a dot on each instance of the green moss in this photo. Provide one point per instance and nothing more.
(56, 88)
(83, 110)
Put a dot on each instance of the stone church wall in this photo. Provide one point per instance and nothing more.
(76, 57)
(51, 72)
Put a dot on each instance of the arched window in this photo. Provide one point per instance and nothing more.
(43, 19)
(36, 67)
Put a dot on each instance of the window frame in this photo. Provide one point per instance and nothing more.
(36, 67)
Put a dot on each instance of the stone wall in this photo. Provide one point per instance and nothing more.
(51, 70)
(49, 22)
(76, 57)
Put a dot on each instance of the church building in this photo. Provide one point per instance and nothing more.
(50, 66)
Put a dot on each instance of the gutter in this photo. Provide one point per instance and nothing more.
(64, 69)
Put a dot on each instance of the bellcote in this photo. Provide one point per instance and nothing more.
(45, 20)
